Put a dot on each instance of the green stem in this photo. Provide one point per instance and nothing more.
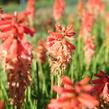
(52, 79)
(37, 76)
(42, 77)
(59, 79)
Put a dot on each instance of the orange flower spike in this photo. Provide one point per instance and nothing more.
(80, 8)
(86, 25)
(58, 9)
(31, 7)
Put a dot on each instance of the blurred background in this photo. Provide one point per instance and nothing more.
(18, 5)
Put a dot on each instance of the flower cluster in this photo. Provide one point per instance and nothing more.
(12, 36)
(59, 47)
(58, 9)
(18, 55)
(86, 25)
(86, 35)
(74, 95)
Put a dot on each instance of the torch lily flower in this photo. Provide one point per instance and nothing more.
(73, 95)
(59, 46)
(18, 55)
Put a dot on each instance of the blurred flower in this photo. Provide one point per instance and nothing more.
(101, 88)
(58, 9)
(81, 8)
(59, 47)
(71, 20)
(31, 7)
(31, 10)
(41, 51)
(86, 25)
(89, 49)
(2, 104)
(95, 6)
(73, 95)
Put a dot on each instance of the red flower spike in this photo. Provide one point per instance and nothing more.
(72, 98)
(59, 46)
(86, 25)
(18, 58)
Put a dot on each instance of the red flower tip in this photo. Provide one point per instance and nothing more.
(69, 31)
(66, 80)
(85, 80)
